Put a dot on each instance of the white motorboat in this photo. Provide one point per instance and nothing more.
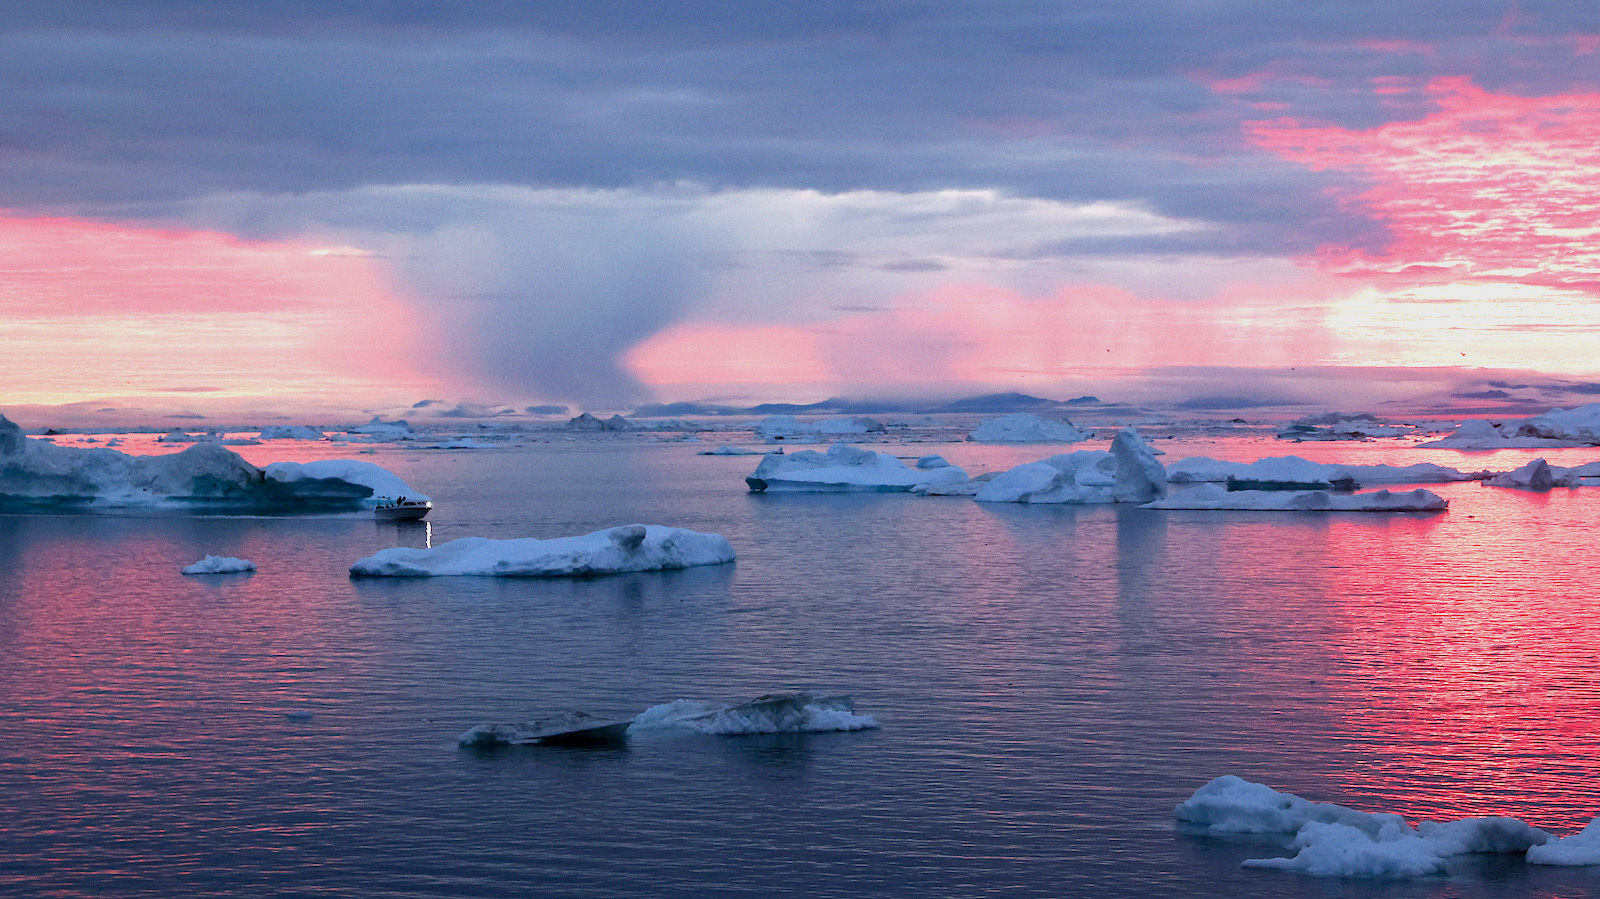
(403, 509)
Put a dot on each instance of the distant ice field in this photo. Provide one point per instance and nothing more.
(1048, 683)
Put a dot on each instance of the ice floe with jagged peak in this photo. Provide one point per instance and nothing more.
(1337, 841)
(384, 485)
(39, 475)
(573, 728)
(220, 565)
(843, 469)
(634, 547)
(1025, 427)
(774, 713)
(379, 431)
(1540, 475)
(1478, 434)
(292, 432)
(1129, 473)
(726, 450)
(1293, 470)
(1216, 498)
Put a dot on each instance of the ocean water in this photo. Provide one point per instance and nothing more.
(1049, 681)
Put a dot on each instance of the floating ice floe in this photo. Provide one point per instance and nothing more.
(844, 468)
(1477, 434)
(291, 432)
(385, 485)
(378, 430)
(220, 565)
(774, 713)
(1129, 473)
(1214, 497)
(565, 729)
(1293, 470)
(1336, 841)
(1581, 423)
(634, 547)
(1340, 426)
(1582, 848)
(726, 450)
(1024, 427)
(783, 427)
(39, 474)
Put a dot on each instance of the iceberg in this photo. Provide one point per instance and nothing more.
(1129, 473)
(1541, 476)
(291, 432)
(566, 729)
(384, 485)
(1582, 848)
(1211, 497)
(1295, 470)
(726, 450)
(379, 431)
(774, 713)
(1336, 841)
(1477, 434)
(1025, 427)
(220, 565)
(1340, 426)
(37, 474)
(1580, 424)
(844, 468)
(784, 427)
(634, 547)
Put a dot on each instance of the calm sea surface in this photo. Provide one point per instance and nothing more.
(1050, 681)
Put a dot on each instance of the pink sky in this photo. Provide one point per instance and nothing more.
(1491, 201)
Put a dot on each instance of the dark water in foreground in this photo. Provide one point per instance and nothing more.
(1050, 682)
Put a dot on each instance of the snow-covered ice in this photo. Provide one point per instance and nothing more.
(1213, 497)
(1337, 841)
(1581, 423)
(220, 565)
(1295, 470)
(1477, 434)
(386, 486)
(634, 547)
(1129, 473)
(1539, 475)
(36, 473)
(781, 427)
(1582, 848)
(1341, 426)
(382, 431)
(1024, 427)
(291, 432)
(774, 713)
(844, 468)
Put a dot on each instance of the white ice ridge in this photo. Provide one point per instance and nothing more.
(1541, 475)
(40, 474)
(1216, 498)
(1295, 470)
(634, 547)
(1023, 427)
(1556, 428)
(291, 432)
(1336, 841)
(386, 486)
(780, 427)
(1129, 473)
(774, 713)
(844, 468)
(220, 565)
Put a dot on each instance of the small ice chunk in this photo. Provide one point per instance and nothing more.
(843, 468)
(1230, 804)
(1213, 497)
(1339, 850)
(774, 713)
(220, 565)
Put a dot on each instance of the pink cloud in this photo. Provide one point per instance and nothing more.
(1488, 188)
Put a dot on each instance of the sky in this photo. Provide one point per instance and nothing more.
(306, 209)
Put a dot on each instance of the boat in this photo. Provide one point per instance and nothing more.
(565, 729)
(403, 509)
